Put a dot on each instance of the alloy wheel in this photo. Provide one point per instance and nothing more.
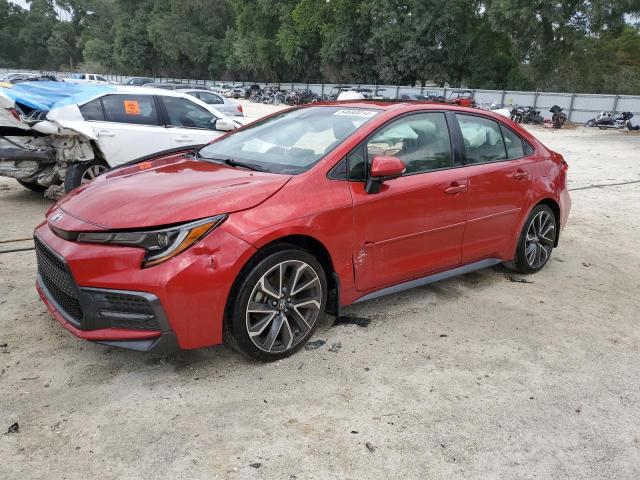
(284, 306)
(92, 172)
(541, 236)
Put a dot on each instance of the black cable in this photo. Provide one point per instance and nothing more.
(604, 185)
(17, 250)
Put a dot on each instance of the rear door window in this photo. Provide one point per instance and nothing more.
(92, 111)
(483, 140)
(184, 113)
(135, 109)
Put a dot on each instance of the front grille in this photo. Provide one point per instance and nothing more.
(58, 281)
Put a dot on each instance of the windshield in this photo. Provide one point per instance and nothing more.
(291, 142)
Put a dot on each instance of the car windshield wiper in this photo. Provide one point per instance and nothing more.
(233, 163)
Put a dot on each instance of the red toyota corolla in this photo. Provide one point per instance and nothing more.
(252, 238)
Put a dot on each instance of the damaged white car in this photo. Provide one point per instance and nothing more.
(55, 136)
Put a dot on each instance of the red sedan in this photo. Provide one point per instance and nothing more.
(252, 238)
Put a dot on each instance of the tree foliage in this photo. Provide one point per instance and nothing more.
(577, 45)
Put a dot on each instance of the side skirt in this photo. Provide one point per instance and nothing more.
(436, 277)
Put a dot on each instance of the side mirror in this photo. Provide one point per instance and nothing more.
(223, 124)
(383, 168)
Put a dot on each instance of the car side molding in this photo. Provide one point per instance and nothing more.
(436, 277)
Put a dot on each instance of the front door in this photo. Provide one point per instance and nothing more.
(415, 224)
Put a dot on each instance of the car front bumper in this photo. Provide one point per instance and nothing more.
(100, 293)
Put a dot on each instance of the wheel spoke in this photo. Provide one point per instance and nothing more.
(266, 287)
(295, 277)
(313, 281)
(299, 319)
(260, 326)
(276, 326)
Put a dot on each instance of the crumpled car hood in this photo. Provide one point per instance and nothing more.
(168, 191)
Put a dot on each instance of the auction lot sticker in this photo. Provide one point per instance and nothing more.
(132, 107)
(356, 113)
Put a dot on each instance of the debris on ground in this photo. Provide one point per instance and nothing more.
(314, 345)
(347, 320)
(586, 264)
(255, 465)
(443, 335)
(335, 347)
(519, 280)
(370, 447)
(15, 428)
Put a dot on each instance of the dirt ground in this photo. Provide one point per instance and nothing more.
(475, 377)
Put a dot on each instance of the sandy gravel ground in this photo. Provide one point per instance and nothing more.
(472, 378)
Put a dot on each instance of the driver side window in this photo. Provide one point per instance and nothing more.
(421, 141)
(183, 113)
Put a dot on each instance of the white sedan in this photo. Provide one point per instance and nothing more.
(85, 130)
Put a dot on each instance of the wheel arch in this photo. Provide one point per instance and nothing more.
(555, 208)
(304, 242)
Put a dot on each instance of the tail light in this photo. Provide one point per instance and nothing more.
(240, 108)
(14, 113)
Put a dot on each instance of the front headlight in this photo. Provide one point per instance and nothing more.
(160, 245)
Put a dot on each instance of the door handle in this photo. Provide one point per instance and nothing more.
(456, 188)
(105, 134)
(184, 139)
(520, 175)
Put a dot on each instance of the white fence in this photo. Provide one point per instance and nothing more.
(579, 107)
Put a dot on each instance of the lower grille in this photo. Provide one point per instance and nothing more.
(125, 310)
(58, 281)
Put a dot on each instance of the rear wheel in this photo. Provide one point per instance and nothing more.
(279, 303)
(83, 172)
(36, 187)
(537, 240)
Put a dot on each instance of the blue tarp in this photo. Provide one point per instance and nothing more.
(49, 95)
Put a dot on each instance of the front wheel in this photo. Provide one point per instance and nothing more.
(537, 240)
(83, 172)
(278, 305)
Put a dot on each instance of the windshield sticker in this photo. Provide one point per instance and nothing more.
(356, 113)
(131, 107)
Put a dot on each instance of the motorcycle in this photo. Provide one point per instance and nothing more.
(559, 117)
(606, 120)
(526, 115)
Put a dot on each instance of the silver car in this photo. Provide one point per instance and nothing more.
(216, 100)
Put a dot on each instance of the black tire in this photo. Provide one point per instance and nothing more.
(78, 173)
(34, 187)
(544, 243)
(240, 318)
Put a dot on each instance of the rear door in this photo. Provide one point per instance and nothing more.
(126, 127)
(187, 122)
(415, 224)
(499, 168)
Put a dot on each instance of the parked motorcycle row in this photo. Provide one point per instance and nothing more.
(529, 115)
(606, 120)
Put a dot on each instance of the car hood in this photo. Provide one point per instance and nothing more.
(168, 191)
